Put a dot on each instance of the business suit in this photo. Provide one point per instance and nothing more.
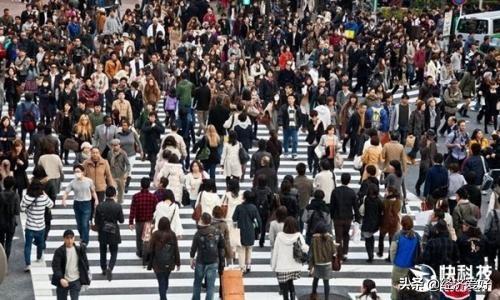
(102, 138)
(135, 99)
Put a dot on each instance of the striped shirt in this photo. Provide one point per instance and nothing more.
(35, 211)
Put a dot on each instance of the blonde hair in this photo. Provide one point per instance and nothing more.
(81, 128)
(212, 136)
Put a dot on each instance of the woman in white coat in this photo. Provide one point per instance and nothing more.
(232, 198)
(170, 210)
(208, 198)
(282, 262)
(231, 158)
(194, 180)
(175, 174)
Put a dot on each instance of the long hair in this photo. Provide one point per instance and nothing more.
(14, 155)
(83, 127)
(212, 136)
(162, 235)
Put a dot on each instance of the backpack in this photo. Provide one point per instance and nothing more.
(208, 248)
(377, 111)
(165, 258)
(407, 248)
(262, 200)
(28, 121)
(317, 217)
(493, 233)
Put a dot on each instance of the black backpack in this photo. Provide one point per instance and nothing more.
(317, 217)
(263, 200)
(208, 248)
(165, 258)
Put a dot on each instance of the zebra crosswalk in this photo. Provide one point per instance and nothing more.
(132, 281)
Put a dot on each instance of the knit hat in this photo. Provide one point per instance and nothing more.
(471, 221)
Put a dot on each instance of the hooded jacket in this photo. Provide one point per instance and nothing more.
(282, 257)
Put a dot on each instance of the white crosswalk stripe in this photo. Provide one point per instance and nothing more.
(132, 281)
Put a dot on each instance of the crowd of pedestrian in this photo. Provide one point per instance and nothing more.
(323, 73)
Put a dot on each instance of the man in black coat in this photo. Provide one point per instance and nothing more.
(267, 172)
(343, 207)
(355, 129)
(107, 216)
(152, 131)
(218, 115)
(70, 280)
(202, 96)
(255, 161)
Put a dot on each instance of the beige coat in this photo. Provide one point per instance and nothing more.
(394, 151)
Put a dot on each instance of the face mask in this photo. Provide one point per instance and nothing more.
(45, 84)
(433, 223)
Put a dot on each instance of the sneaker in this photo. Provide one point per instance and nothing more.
(294, 156)
(39, 260)
(27, 268)
(103, 273)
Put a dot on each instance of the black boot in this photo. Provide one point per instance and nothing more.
(127, 183)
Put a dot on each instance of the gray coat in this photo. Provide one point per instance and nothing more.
(118, 163)
(247, 216)
(109, 211)
(417, 123)
(101, 140)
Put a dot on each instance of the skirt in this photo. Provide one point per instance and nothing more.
(323, 271)
(286, 276)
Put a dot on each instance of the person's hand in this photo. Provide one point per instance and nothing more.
(131, 227)
(193, 263)
(64, 283)
(20, 162)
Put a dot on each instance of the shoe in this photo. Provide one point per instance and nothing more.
(417, 192)
(103, 273)
(370, 260)
(127, 184)
(27, 268)
(204, 285)
(39, 260)
(109, 275)
(388, 259)
(248, 270)
(465, 116)
(294, 156)
(380, 254)
(344, 259)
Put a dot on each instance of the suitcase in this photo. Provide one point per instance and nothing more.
(232, 285)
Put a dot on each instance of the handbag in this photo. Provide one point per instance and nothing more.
(234, 237)
(224, 206)
(336, 263)
(109, 227)
(319, 151)
(186, 200)
(243, 154)
(147, 230)
(487, 179)
(197, 210)
(204, 153)
(71, 144)
(357, 162)
(338, 161)
(298, 255)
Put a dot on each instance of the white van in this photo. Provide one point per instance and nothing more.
(481, 25)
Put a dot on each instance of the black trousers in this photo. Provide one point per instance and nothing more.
(6, 237)
(152, 159)
(342, 237)
(113, 250)
(370, 246)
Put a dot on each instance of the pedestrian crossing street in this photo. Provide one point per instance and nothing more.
(132, 281)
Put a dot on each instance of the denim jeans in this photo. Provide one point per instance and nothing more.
(29, 236)
(290, 133)
(201, 271)
(73, 289)
(210, 168)
(162, 278)
(83, 211)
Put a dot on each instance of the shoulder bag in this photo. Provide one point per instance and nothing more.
(196, 216)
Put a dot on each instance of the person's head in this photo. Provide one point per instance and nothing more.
(394, 135)
(232, 138)
(291, 226)
(95, 154)
(325, 164)
(115, 145)
(301, 169)
(453, 167)
(8, 183)
(475, 149)
(469, 223)
(209, 186)
(164, 224)
(217, 212)
(405, 99)
(110, 192)
(438, 158)
(395, 165)
(249, 196)
(369, 288)
(69, 238)
(319, 194)
(145, 183)
(163, 182)
(407, 223)
(462, 194)
(470, 177)
(233, 186)
(39, 172)
(441, 227)
(371, 170)
(461, 125)
(330, 129)
(345, 178)
(206, 219)
(196, 166)
(79, 171)
(375, 140)
(281, 214)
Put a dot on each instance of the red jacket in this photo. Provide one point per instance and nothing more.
(419, 59)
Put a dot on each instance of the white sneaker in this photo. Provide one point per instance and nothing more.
(27, 268)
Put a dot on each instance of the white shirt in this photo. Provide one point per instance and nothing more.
(71, 273)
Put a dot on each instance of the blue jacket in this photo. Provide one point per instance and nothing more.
(475, 164)
(437, 176)
(24, 107)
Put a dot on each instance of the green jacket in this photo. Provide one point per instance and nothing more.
(184, 92)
